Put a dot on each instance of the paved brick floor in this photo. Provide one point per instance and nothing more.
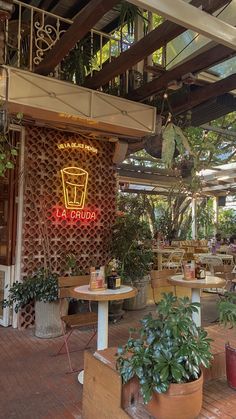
(34, 383)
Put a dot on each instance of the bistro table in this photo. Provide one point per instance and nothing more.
(103, 297)
(196, 284)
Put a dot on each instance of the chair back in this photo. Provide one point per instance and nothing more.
(177, 256)
(224, 271)
(188, 256)
(66, 284)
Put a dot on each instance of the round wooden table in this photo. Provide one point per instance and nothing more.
(103, 297)
(196, 285)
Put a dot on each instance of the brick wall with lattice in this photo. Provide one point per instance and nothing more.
(50, 230)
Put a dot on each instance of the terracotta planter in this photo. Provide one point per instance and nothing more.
(230, 355)
(181, 401)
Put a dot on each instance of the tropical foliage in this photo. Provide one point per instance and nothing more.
(227, 309)
(41, 286)
(168, 348)
(8, 145)
(128, 247)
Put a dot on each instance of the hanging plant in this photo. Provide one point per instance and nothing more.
(173, 137)
(128, 13)
(168, 145)
(76, 66)
(8, 150)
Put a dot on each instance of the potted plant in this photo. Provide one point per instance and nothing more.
(42, 288)
(227, 309)
(166, 355)
(132, 255)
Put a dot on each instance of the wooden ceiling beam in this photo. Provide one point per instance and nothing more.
(149, 170)
(154, 40)
(223, 131)
(194, 65)
(205, 93)
(84, 21)
(190, 17)
(149, 192)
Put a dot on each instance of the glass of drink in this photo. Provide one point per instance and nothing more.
(74, 182)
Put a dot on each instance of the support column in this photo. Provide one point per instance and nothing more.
(194, 218)
(6, 9)
(216, 213)
(138, 34)
(149, 58)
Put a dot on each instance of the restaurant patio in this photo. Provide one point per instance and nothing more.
(34, 382)
(117, 199)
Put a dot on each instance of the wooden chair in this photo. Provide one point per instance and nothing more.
(159, 279)
(175, 261)
(210, 262)
(188, 257)
(225, 272)
(72, 322)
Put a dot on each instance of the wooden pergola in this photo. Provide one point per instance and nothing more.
(197, 36)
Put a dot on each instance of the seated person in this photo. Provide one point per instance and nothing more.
(215, 243)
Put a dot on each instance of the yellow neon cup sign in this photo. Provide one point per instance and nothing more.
(74, 181)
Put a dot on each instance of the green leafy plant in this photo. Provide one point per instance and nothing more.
(76, 66)
(8, 148)
(127, 14)
(168, 348)
(72, 265)
(41, 286)
(128, 247)
(227, 309)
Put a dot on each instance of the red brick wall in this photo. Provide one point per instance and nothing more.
(47, 238)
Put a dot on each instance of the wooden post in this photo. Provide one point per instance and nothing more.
(216, 213)
(194, 220)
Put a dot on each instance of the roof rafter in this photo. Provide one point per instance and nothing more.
(147, 45)
(196, 64)
(223, 131)
(190, 17)
(84, 21)
(204, 93)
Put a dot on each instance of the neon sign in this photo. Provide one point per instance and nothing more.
(74, 211)
(76, 215)
(70, 145)
(74, 181)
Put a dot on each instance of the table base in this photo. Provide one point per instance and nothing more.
(195, 297)
(102, 339)
(81, 377)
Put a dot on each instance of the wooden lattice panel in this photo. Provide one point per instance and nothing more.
(27, 316)
(46, 234)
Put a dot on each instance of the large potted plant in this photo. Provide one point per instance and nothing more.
(166, 355)
(133, 256)
(227, 309)
(42, 288)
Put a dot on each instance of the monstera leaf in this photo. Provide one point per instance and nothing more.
(173, 137)
(168, 144)
(181, 141)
